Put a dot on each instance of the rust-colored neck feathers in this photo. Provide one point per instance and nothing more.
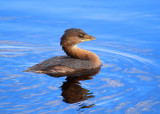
(76, 52)
(69, 42)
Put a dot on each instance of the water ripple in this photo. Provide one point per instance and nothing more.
(129, 55)
(142, 106)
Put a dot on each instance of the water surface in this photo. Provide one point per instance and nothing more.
(127, 42)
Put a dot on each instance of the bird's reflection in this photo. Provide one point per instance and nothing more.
(72, 91)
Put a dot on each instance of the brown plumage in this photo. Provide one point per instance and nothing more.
(78, 61)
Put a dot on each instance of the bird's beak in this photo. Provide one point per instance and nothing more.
(88, 38)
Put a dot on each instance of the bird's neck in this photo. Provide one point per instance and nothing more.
(76, 52)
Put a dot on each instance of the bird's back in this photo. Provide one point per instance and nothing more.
(61, 66)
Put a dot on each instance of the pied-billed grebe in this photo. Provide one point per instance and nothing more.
(77, 61)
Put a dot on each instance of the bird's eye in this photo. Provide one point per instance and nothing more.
(81, 35)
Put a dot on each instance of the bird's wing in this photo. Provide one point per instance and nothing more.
(60, 65)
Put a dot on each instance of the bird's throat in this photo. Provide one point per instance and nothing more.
(76, 52)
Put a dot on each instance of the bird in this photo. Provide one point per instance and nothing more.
(76, 62)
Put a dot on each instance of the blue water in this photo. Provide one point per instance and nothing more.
(127, 42)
